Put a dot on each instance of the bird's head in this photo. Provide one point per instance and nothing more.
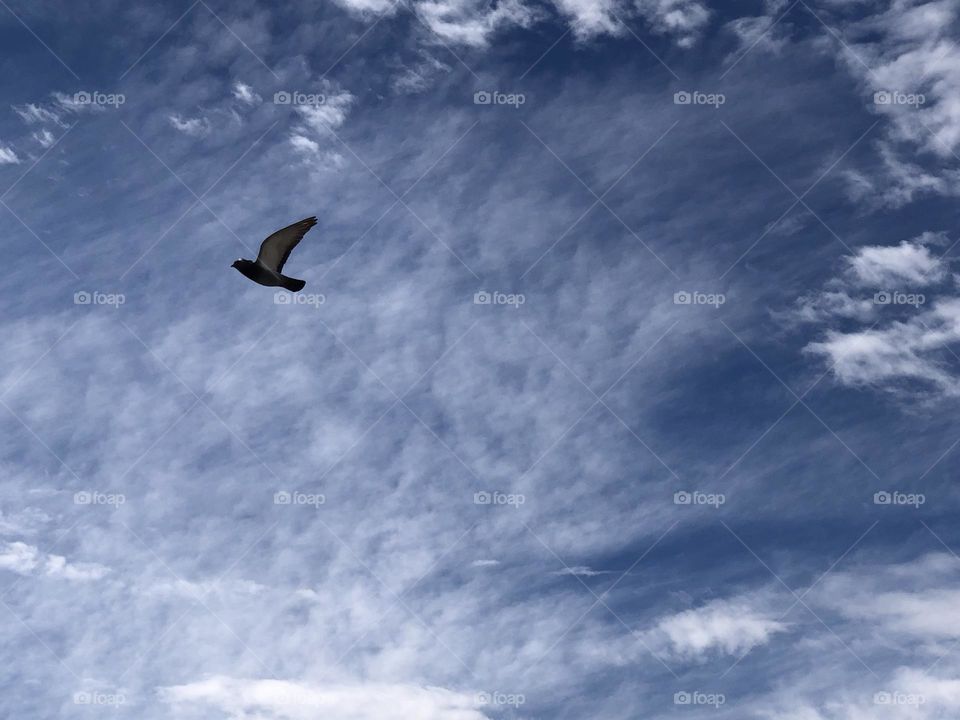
(238, 262)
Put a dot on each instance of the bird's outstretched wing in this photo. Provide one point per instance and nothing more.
(275, 250)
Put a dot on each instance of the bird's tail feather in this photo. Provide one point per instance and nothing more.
(293, 285)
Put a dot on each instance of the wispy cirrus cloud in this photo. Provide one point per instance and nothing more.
(202, 397)
(32, 113)
(276, 698)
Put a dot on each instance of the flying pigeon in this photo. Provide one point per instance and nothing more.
(274, 251)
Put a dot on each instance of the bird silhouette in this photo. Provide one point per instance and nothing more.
(267, 269)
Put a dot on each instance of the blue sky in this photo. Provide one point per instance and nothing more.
(623, 385)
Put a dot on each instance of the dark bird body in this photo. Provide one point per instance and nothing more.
(267, 269)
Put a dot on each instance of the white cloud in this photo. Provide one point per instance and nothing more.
(19, 558)
(25, 559)
(911, 694)
(330, 114)
(758, 34)
(473, 22)
(879, 608)
(908, 49)
(194, 127)
(909, 264)
(919, 599)
(304, 145)
(590, 18)
(897, 182)
(57, 566)
(419, 76)
(191, 589)
(24, 522)
(369, 7)
(581, 571)
(729, 627)
(312, 151)
(71, 103)
(294, 701)
(311, 139)
(8, 156)
(941, 694)
(916, 54)
(245, 94)
(828, 304)
(933, 614)
(681, 19)
(468, 22)
(910, 349)
(44, 137)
